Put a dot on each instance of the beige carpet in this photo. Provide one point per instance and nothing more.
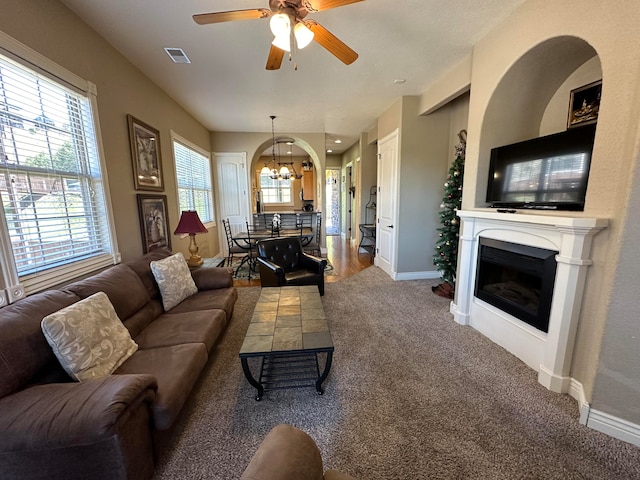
(411, 395)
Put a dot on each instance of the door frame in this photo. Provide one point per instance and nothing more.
(243, 197)
(390, 265)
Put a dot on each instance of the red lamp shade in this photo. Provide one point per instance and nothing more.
(190, 223)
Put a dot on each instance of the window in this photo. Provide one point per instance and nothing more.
(56, 221)
(193, 172)
(275, 191)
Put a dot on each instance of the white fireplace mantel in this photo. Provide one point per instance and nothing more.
(549, 353)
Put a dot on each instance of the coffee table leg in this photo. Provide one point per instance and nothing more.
(250, 379)
(325, 373)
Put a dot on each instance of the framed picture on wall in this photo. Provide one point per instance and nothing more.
(154, 222)
(145, 155)
(584, 104)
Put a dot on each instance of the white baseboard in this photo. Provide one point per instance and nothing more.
(601, 421)
(416, 275)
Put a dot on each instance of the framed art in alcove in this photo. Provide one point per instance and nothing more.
(584, 104)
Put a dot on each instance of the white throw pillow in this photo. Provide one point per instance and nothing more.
(88, 338)
(174, 280)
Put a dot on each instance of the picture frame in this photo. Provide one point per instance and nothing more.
(144, 141)
(584, 104)
(154, 222)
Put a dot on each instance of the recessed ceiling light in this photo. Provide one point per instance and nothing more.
(329, 151)
(337, 141)
(399, 81)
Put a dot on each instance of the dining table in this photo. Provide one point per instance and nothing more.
(247, 239)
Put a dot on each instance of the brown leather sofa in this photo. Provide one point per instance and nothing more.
(110, 428)
(287, 453)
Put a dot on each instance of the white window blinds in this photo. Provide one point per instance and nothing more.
(193, 172)
(50, 178)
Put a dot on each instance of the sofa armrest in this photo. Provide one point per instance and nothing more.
(271, 274)
(313, 263)
(285, 453)
(211, 278)
(58, 415)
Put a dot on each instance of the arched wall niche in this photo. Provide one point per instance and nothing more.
(519, 102)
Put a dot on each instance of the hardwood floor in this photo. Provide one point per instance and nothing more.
(344, 257)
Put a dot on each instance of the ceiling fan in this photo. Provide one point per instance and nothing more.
(288, 17)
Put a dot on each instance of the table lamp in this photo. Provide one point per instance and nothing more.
(190, 224)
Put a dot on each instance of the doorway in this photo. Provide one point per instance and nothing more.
(332, 196)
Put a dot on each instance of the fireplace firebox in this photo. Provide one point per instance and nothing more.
(517, 279)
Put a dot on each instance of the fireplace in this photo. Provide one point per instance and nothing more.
(541, 254)
(517, 279)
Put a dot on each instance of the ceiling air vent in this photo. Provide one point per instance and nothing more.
(177, 55)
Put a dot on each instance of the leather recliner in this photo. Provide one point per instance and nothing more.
(282, 262)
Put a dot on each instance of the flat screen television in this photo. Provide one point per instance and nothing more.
(549, 172)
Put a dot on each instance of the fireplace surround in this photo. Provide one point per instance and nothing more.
(549, 353)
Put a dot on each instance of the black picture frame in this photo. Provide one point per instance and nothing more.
(584, 104)
(154, 222)
(144, 141)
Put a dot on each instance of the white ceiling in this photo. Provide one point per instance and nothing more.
(228, 89)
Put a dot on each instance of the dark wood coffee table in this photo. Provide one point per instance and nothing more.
(288, 330)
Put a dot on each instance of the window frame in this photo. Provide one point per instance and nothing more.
(12, 285)
(276, 204)
(176, 138)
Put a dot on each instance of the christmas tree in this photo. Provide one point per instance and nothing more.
(446, 251)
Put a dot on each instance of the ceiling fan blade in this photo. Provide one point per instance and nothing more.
(319, 5)
(275, 58)
(332, 43)
(231, 16)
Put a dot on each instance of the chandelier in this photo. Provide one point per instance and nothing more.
(274, 173)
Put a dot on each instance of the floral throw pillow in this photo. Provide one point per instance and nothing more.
(174, 280)
(88, 338)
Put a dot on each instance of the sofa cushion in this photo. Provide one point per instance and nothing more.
(174, 280)
(143, 269)
(88, 338)
(24, 352)
(124, 288)
(222, 298)
(176, 369)
(175, 329)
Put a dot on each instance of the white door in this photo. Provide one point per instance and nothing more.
(233, 192)
(387, 203)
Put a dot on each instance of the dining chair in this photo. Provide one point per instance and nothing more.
(234, 250)
(248, 244)
(313, 246)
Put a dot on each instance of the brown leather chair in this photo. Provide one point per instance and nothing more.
(289, 453)
(282, 262)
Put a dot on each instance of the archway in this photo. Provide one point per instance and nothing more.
(519, 103)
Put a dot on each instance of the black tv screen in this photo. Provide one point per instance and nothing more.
(548, 172)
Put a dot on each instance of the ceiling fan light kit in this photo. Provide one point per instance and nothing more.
(284, 13)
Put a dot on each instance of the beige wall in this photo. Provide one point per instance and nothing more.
(517, 69)
(55, 32)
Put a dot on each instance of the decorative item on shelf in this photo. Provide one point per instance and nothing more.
(190, 224)
(584, 104)
(307, 165)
